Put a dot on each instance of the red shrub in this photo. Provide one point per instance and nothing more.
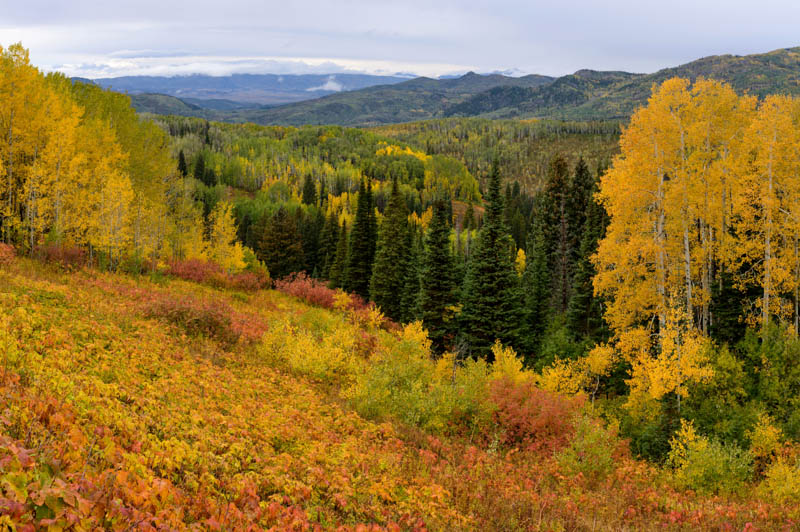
(7, 254)
(533, 418)
(196, 270)
(210, 273)
(307, 289)
(249, 281)
(207, 318)
(67, 257)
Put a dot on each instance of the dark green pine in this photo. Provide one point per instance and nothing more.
(183, 170)
(280, 246)
(536, 287)
(438, 294)
(327, 245)
(338, 270)
(362, 243)
(490, 297)
(309, 196)
(410, 294)
(391, 256)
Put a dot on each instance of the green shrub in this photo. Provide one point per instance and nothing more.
(708, 466)
(591, 451)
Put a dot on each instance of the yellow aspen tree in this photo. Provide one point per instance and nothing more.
(20, 96)
(764, 207)
(186, 229)
(223, 248)
(645, 262)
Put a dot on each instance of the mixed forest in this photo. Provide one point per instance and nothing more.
(449, 324)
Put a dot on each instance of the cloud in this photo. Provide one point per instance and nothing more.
(330, 85)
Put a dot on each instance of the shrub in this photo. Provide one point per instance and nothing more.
(782, 482)
(7, 254)
(201, 318)
(708, 466)
(403, 382)
(67, 257)
(196, 270)
(308, 289)
(531, 417)
(591, 451)
(333, 357)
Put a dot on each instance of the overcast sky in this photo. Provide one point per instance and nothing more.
(100, 38)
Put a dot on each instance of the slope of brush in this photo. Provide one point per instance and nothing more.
(155, 403)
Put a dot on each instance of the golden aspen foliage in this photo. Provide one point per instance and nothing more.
(223, 247)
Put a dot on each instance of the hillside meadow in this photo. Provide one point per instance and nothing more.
(155, 403)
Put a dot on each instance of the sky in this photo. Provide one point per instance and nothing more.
(104, 38)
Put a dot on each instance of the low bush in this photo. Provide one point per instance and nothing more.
(68, 257)
(201, 318)
(309, 290)
(210, 273)
(708, 466)
(591, 452)
(533, 418)
(7, 254)
(782, 482)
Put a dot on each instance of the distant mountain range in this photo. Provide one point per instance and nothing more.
(584, 95)
(252, 89)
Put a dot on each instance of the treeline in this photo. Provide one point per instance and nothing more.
(79, 170)
(523, 148)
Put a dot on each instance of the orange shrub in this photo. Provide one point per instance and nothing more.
(533, 418)
(68, 257)
(7, 254)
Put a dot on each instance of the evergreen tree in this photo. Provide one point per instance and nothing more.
(411, 286)
(338, 270)
(310, 232)
(327, 245)
(200, 168)
(182, 168)
(469, 218)
(491, 303)
(362, 244)
(536, 287)
(579, 204)
(280, 246)
(309, 191)
(584, 312)
(555, 212)
(389, 269)
(438, 286)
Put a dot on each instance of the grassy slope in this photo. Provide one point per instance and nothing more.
(112, 418)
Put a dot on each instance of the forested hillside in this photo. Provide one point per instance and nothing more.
(451, 324)
(584, 95)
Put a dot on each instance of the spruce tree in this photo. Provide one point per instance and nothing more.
(200, 168)
(311, 225)
(362, 244)
(469, 218)
(389, 269)
(438, 294)
(327, 245)
(410, 294)
(280, 246)
(338, 270)
(579, 202)
(183, 170)
(491, 304)
(555, 212)
(584, 313)
(309, 191)
(536, 287)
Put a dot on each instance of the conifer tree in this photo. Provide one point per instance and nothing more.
(536, 287)
(309, 191)
(327, 245)
(556, 218)
(411, 286)
(389, 270)
(491, 306)
(182, 168)
(362, 243)
(584, 312)
(311, 224)
(469, 218)
(200, 168)
(438, 294)
(338, 270)
(280, 246)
